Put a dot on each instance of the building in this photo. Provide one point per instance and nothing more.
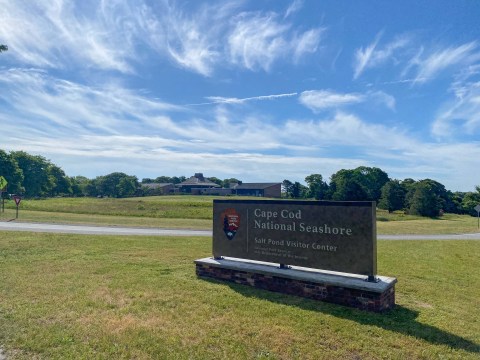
(196, 184)
(273, 190)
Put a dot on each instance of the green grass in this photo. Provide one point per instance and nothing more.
(105, 297)
(186, 207)
(105, 220)
(195, 212)
(397, 223)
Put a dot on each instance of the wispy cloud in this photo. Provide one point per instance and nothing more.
(107, 36)
(373, 56)
(258, 40)
(318, 100)
(306, 43)
(55, 35)
(363, 56)
(295, 6)
(110, 125)
(191, 39)
(427, 68)
(460, 116)
(58, 107)
(225, 100)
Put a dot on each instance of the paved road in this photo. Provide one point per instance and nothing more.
(98, 230)
(114, 230)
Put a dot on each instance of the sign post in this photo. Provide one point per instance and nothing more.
(17, 200)
(3, 187)
(477, 208)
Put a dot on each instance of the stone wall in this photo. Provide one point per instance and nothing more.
(322, 290)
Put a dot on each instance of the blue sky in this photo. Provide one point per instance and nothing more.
(256, 90)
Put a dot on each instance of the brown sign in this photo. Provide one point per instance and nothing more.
(330, 235)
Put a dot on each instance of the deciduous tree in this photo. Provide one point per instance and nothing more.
(317, 188)
(10, 170)
(37, 181)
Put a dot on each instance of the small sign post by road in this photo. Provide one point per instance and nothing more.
(3, 188)
(477, 208)
(17, 200)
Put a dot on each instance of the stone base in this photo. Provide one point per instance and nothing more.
(333, 287)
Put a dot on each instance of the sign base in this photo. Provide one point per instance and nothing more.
(339, 288)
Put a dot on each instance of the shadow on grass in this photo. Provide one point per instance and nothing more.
(401, 319)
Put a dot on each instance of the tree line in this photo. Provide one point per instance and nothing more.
(425, 197)
(34, 176)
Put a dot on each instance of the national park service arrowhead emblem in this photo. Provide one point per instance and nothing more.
(231, 223)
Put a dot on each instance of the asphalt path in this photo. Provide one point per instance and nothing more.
(115, 230)
(98, 230)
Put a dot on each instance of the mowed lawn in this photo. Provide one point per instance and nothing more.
(106, 297)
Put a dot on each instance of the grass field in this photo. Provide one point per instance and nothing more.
(104, 297)
(195, 212)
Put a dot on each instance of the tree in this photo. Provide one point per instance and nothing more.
(10, 170)
(317, 188)
(37, 181)
(117, 184)
(470, 200)
(345, 187)
(371, 179)
(163, 179)
(349, 190)
(425, 201)
(61, 184)
(215, 180)
(3, 48)
(173, 180)
(409, 188)
(287, 186)
(92, 188)
(79, 185)
(299, 191)
(127, 186)
(457, 199)
(393, 196)
(226, 183)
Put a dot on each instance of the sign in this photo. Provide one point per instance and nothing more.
(477, 208)
(17, 199)
(3, 183)
(339, 236)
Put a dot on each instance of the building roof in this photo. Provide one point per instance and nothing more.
(199, 181)
(255, 186)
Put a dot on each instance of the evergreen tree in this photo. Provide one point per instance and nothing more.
(425, 202)
(393, 196)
